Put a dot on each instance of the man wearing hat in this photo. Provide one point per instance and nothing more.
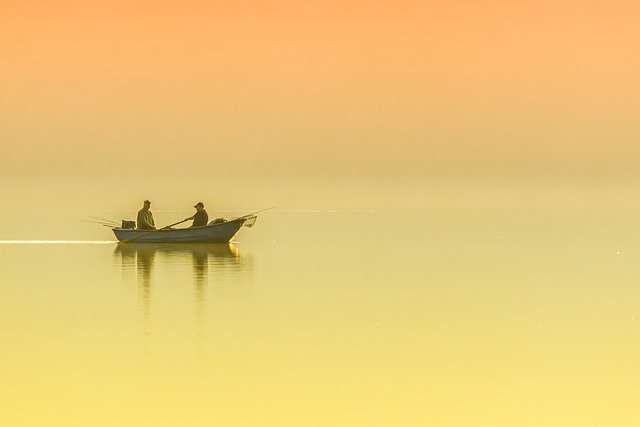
(201, 217)
(145, 217)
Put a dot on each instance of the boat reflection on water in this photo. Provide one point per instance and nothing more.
(208, 266)
(218, 256)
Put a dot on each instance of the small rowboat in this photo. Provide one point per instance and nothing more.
(221, 232)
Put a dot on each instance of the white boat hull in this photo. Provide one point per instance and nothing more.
(211, 233)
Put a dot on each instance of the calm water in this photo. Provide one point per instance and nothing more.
(472, 309)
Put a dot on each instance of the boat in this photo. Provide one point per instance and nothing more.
(214, 232)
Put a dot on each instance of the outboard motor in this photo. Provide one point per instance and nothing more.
(128, 225)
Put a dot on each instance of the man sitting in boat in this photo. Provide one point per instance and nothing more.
(201, 217)
(145, 217)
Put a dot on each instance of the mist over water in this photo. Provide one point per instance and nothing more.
(453, 305)
(454, 238)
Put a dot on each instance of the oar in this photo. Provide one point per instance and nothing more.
(153, 231)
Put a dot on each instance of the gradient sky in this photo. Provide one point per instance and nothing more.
(367, 91)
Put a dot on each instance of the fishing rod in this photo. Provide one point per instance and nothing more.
(105, 220)
(253, 213)
(106, 224)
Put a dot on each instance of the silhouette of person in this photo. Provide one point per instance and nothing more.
(201, 217)
(145, 217)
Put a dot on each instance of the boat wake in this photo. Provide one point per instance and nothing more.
(57, 242)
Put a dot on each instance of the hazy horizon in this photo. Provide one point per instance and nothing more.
(392, 92)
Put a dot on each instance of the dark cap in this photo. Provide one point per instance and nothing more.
(199, 204)
(146, 201)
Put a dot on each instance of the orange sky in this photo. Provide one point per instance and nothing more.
(368, 90)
